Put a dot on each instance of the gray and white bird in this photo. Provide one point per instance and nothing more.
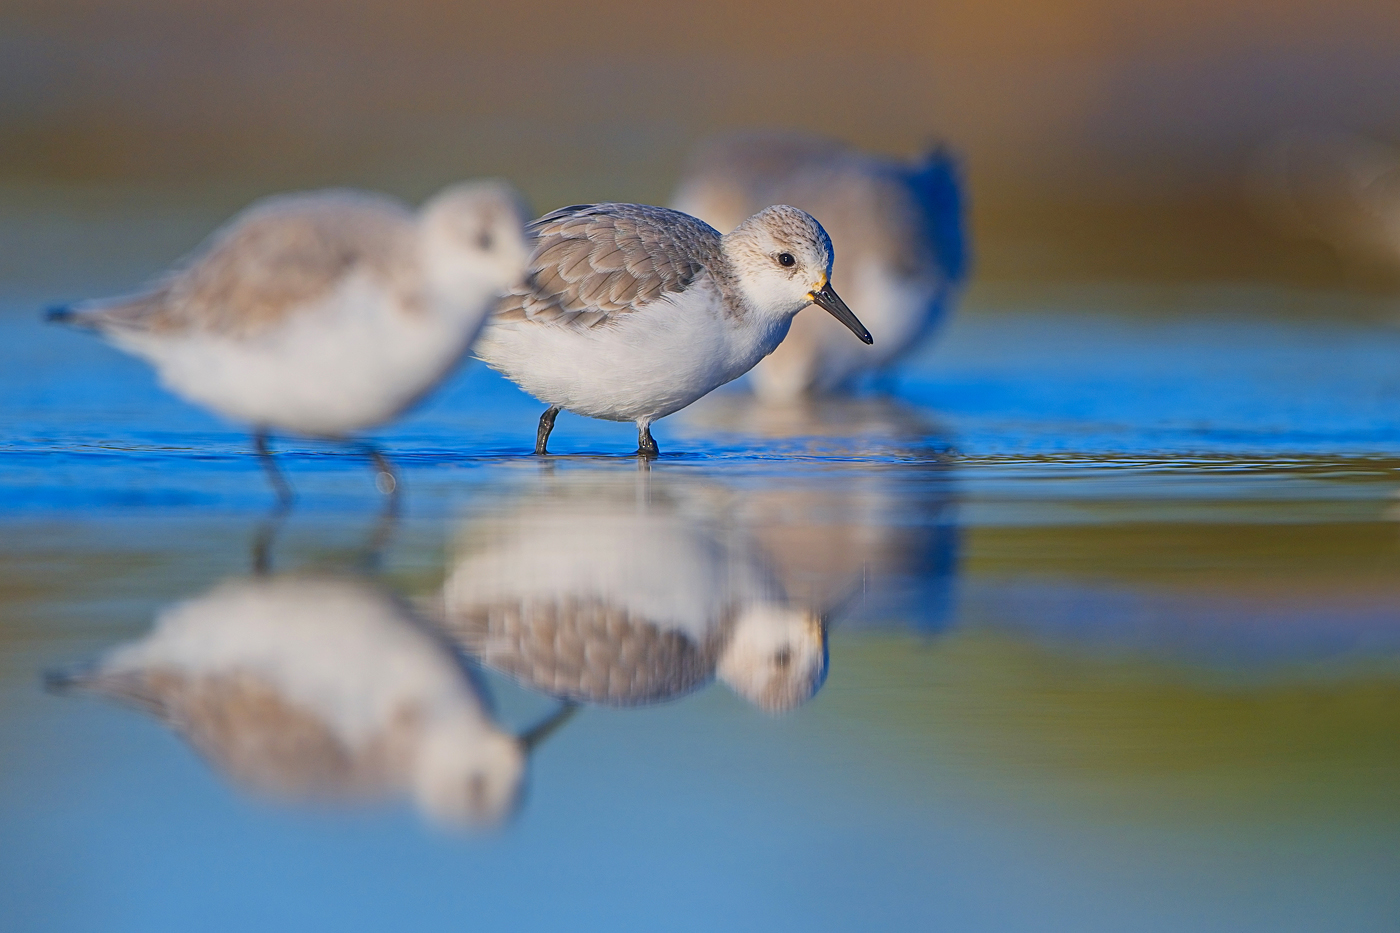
(318, 688)
(630, 313)
(324, 313)
(898, 226)
(584, 594)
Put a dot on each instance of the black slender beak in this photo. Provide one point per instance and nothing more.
(829, 300)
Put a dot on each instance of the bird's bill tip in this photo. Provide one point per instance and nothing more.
(831, 302)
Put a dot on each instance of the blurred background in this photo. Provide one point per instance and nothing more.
(1113, 569)
(1102, 139)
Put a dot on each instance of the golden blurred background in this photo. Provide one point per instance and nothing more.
(1102, 139)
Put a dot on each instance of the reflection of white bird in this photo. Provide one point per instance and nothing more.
(325, 313)
(586, 595)
(898, 228)
(872, 537)
(631, 313)
(319, 688)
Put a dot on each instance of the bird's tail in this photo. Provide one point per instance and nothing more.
(128, 688)
(71, 316)
(72, 680)
(937, 181)
(124, 312)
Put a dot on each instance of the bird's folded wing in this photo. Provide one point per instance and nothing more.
(273, 260)
(592, 262)
(584, 649)
(248, 730)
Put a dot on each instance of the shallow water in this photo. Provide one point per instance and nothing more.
(1110, 642)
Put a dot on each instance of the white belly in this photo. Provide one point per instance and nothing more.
(647, 364)
(347, 363)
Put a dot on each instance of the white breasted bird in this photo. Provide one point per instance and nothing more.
(590, 596)
(324, 313)
(898, 226)
(630, 313)
(319, 688)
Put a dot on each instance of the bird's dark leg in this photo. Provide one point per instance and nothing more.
(386, 477)
(268, 528)
(280, 486)
(646, 445)
(266, 536)
(386, 480)
(532, 737)
(546, 426)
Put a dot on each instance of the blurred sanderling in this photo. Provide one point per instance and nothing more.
(323, 313)
(898, 227)
(630, 313)
(318, 688)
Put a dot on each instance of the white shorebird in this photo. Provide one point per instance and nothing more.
(319, 688)
(324, 313)
(587, 596)
(898, 227)
(630, 313)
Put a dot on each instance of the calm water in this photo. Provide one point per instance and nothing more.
(1114, 622)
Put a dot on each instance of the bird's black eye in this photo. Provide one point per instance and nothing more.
(785, 259)
(783, 658)
(485, 241)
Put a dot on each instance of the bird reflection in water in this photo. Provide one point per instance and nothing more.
(866, 529)
(624, 591)
(320, 688)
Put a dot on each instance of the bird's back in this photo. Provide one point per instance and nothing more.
(593, 262)
(274, 259)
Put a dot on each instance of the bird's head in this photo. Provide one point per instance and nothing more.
(469, 774)
(783, 260)
(473, 241)
(776, 657)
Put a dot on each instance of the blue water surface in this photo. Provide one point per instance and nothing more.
(1113, 625)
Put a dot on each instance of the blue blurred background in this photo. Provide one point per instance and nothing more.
(1111, 569)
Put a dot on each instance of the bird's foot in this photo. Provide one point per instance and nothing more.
(542, 433)
(646, 445)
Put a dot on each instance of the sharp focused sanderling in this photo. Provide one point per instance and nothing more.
(309, 688)
(324, 313)
(580, 593)
(630, 313)
(898, 227)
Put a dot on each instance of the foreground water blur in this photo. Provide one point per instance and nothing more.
(1090, 624)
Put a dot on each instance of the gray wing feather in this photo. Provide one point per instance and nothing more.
(594, 261)
(251, 733)
(584, 650)
(275, 257)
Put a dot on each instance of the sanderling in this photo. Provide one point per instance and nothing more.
(630, 313)
(324, 313)
(584, 595)
(307, 688)
(898, 227)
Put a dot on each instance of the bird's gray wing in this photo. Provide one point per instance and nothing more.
(249, 732)
(277, 257)
(583, 649)
(592, 262)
